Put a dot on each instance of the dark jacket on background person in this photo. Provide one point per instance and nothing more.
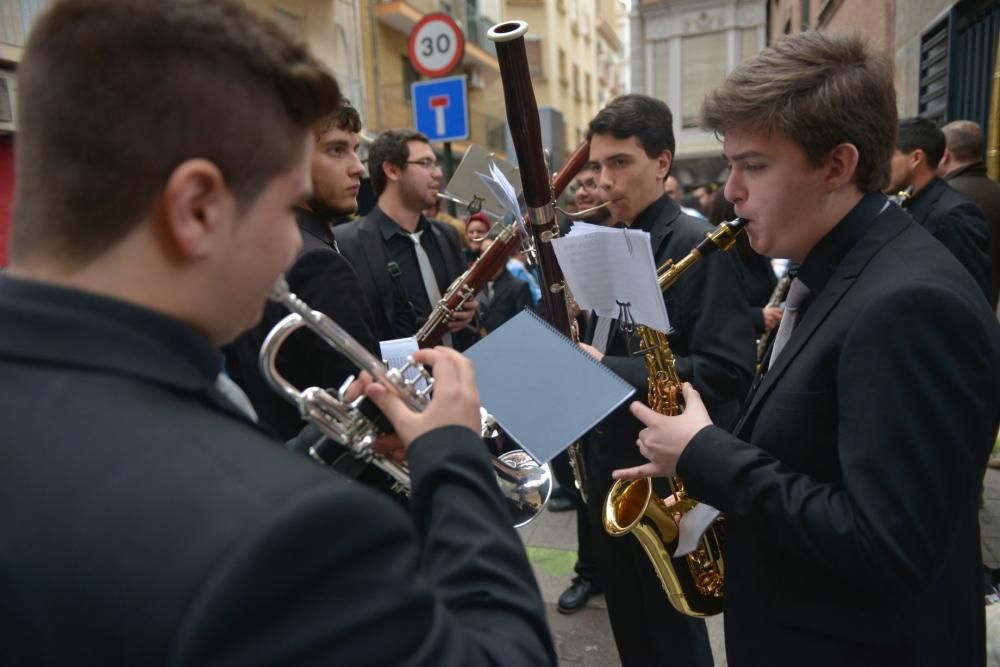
(399, 312)
(713, 342)
(958, 223)
(501, 299)
(146, 521)
(325, 280)
(757, 280)
(850, 485)
(972, 181)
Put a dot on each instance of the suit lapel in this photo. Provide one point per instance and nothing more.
(370, 239)
(880, 232)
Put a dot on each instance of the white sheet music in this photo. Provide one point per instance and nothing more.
(395, 352)
(693, 526)
(605, 265)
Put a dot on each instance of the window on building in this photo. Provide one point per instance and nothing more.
(563, 78)
(805, 15)
(577, 92)
(533, 48)
(587, 89)
(703, 67)
(935, 52)
(661, 68)
(748, 44)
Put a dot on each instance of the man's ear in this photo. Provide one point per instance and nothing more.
(842, 165)
(392, 171)
(663, 162)
(196, 204)
(944, 162)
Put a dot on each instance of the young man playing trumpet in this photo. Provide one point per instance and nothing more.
(850, 484)
(146, 519)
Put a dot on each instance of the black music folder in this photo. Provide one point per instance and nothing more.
(542, 388)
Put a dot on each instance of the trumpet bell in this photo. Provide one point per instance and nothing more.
(526, 494)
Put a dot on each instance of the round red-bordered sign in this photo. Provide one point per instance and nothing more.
(436, 45)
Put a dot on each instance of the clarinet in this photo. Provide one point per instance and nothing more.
(469, 284)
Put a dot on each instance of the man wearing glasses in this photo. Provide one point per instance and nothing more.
(587, 194)
(404, 260)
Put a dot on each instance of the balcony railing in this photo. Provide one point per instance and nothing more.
(476, 27)
(17, 17)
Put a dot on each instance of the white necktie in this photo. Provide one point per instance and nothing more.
(427, 275)
(602, 333)
(232, 391)
(797, 293)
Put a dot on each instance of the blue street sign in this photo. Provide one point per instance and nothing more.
(441, 108)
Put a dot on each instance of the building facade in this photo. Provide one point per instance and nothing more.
(944, 51)
(680, 51)
(16, 19)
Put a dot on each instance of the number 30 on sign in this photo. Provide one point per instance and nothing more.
(436, 45)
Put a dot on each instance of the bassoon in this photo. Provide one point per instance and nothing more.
(526, 133)
(539, 194)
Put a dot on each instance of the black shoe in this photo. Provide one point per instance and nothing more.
(560, 504)
(575, 597)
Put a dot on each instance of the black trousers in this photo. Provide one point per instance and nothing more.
(648, 630)
(563, 471)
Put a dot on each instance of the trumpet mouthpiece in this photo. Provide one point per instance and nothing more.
(280, 290)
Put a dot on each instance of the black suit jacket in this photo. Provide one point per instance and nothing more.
(145, 521)
(851, 485)
(511, 295)
(958, 223)
(362, 244)
(712, 338)
(325, 280)
(972, 181)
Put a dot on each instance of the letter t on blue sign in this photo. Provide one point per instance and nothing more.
(441, 108)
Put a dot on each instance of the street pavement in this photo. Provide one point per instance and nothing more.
(584, 639)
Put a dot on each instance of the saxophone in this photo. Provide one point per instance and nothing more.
(693, 582)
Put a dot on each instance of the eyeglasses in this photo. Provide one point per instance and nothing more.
(430, 164)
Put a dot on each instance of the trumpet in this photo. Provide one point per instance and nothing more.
(524, 483)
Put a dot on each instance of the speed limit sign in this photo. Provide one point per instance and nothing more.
(436, 45)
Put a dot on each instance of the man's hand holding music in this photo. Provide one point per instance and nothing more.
(455, 399)
(592, 351)
(665, 438)
(463, 316)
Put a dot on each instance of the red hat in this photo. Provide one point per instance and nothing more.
(481, 217)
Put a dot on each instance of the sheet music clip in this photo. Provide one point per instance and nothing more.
(626, 323)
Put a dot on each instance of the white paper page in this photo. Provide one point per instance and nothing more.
(603, 268)
(581, 228)
(502, 189)
(693, 526)
(395, 353)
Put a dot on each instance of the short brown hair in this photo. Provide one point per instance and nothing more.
(345, 117)
(965, 140)
(391, 146)
(818, 90)
(115, 94)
